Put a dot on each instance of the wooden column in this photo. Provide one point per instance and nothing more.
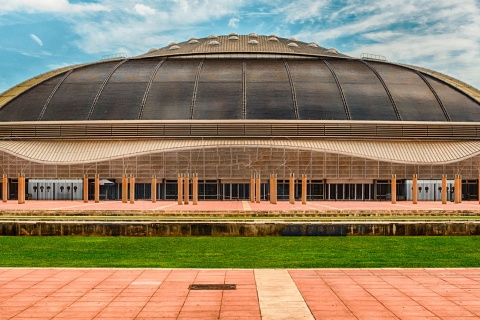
(4, 188)
(97, 188)
(154, 189)
(124, 188)
(21, 189)
(444, 189)
(132, 189)
(415, 189)
(291, 188)
(271, 188)
(252, 188)
(195, 188)
(275, 191)
(180, 188)
(85, 188)
(457, 193)
(186, 189)
(394, 189)
(257, 188)
(304, 189)
(459, 189)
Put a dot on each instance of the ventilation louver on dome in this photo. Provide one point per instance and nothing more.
(291, 44)
(212, 36)
(312, 44)
(253, 35)
(174, 47)
(273, 39)
(193, 41)
(213, 43)
(252, 42)
(233, 38)
(152, 50)
(332, 50)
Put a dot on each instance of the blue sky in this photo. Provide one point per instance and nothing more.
(40, 35)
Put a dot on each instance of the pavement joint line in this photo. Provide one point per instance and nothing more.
(279, 297)
(246, 206)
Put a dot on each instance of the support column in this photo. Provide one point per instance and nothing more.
(124, 188)
(180, 188)
(459, 189)
(186, 189)
(257, 188)
(21, 189)
(415, 189)
(132, 189)
(252, 188)
(271, 188)
(4, 188)
(291, 188)
(275, 191)
(154, 189)
(195, 188)
(394, 188)
(457, 194)
(97, 188)
(444, 189)
(304, 189)
(85, 188)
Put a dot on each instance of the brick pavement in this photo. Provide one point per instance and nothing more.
(164, 294)
(216, 206)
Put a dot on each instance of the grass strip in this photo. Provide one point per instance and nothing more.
(240, 252)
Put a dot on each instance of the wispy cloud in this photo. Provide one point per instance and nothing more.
(61, 6)
(36, 39)
(443, 35)
(233, 22)
(143, 10)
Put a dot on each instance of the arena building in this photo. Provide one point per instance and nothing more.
(240, 117)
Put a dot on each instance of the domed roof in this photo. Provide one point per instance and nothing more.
(237, 77)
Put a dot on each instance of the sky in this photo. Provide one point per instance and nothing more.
(37, 36)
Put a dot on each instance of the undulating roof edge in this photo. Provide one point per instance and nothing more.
(402, 152)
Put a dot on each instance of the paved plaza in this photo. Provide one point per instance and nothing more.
(260, 294)
(216, 206)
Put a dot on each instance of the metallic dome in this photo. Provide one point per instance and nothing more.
(238, 77)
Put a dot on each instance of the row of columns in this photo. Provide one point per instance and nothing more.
(457, 189)
(255, 184)
(255, 188)
(183, 182)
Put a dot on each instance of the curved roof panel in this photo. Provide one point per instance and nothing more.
(237, 79)
(72, 152)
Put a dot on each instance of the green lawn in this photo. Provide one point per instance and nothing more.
(237, 252)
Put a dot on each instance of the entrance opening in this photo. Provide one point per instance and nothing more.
(338, 190)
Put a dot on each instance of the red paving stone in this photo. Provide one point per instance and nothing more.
(216, 206)
(164, 294)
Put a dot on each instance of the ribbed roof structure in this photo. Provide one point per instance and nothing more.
(241, 77)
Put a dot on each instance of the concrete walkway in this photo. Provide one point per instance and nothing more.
(260, 294)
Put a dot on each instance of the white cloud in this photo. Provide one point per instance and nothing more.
(36, 39)
(56, 6)
(143, 10)
(233, 22)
